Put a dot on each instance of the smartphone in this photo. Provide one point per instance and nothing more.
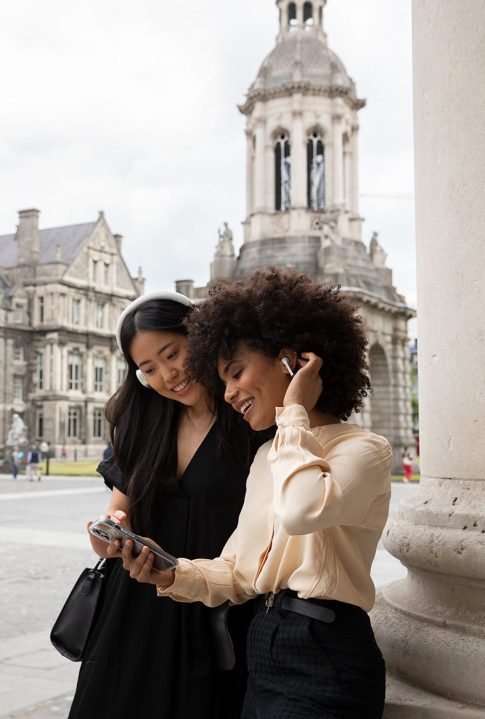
(108, 531)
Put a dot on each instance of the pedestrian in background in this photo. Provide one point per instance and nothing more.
(407, 464)
(16, 457)
(33, 464)
(107, 452)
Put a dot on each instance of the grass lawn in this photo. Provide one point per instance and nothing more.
(87, 468)
(81, 468)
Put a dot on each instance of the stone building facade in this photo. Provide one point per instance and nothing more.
(61, 292)
(302, 197)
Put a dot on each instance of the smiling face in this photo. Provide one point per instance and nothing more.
(255, 385)
(161, 357)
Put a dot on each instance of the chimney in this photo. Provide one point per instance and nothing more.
(185, 287)
(28, 237)
(118, 239)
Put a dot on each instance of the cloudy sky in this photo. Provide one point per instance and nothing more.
(131, 108)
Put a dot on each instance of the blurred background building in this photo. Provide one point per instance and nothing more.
(61, 292)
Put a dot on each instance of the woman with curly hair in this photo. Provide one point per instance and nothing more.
(284, 349)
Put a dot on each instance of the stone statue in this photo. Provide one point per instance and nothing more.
(377, 254)
(225, 247)
(17, 434)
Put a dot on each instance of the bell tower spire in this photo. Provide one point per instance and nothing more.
(301, 15)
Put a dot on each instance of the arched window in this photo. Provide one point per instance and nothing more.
(316, 172)
(308, 14)
(282, 172)
(292, 19)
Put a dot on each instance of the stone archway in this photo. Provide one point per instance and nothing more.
(380, 400)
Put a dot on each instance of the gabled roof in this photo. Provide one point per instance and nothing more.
(70, 239)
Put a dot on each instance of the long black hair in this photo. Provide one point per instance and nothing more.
(143, 424)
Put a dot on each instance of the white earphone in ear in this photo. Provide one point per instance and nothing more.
(286, 362)
(142, 379)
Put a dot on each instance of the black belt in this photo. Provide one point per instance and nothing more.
(324, 610)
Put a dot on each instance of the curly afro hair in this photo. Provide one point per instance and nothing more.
(274, 309)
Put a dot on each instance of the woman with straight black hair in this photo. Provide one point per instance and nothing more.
(178, 472)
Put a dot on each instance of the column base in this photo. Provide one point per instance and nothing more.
(404, 701)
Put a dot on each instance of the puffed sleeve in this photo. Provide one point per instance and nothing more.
(211, 581)
(112, 476)
(312, 492)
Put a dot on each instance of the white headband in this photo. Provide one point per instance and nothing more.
(167, 295)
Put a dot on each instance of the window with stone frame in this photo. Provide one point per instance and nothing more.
(18, 354)
(106, 273)
(76, 312)
(292, 16)
(99, 315)
(308, 15)
(282, 153)
(120, 371)
(316, 192)
(74, 371)
(18, 387)
(39, 370)
(73, 422)
(39, 422)
(40, 310)
(99, 374)
(98, 422)
(18, 314)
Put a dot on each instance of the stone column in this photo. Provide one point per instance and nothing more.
(249, 173)
(401, 430)
(259, 190)
(338, 161)
(269, 175)
(347, 176)
(299, 14)
(354, 200)
(431, 626)
(298, 157)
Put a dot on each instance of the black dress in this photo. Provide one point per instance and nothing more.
(153, 657)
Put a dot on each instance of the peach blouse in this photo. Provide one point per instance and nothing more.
(316, 503)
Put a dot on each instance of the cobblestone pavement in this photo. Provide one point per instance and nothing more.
(43, 549)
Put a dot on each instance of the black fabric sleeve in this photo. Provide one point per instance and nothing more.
(111, 474)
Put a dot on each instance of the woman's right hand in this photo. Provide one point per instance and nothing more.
(141, 569)
(104, 549)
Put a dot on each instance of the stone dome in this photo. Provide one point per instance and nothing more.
(302, 57)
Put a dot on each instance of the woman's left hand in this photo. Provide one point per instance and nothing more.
(306, 386)
(141, 569)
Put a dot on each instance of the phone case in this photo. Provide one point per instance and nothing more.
(108, 531)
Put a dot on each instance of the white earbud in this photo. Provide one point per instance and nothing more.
(142, 379)
(286, 362)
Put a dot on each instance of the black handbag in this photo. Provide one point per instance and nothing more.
(77, 617)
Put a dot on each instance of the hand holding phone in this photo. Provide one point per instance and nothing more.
(109, 531)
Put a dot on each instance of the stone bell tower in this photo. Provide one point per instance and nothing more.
(302, 209)
(302, 148)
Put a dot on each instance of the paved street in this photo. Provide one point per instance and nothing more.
(43, 549)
